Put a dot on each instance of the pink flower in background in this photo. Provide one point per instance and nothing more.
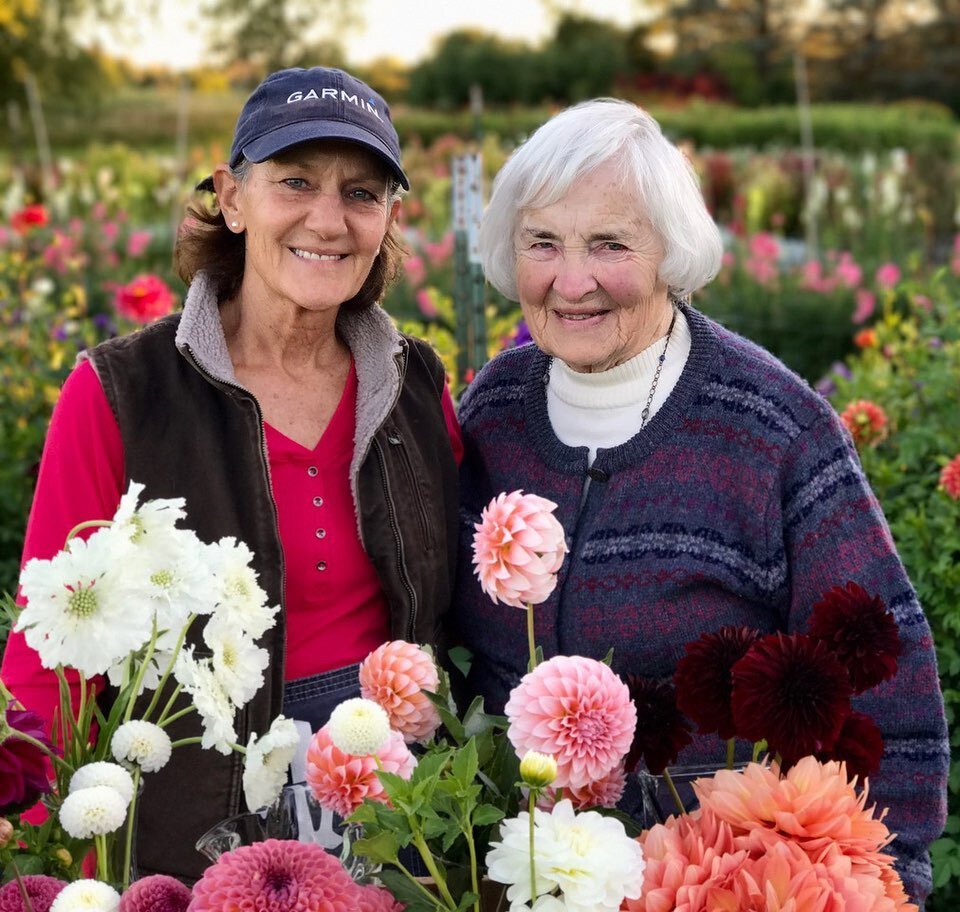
(341, 781)
(950, 478)
(28, 218)
(282, 875)
(441, 251)
(426, 303)
(764, 246)
(887, 275)
(99, 211)
(156, 893)
(518, 549)
(415, 270)
(955, 259)
(41, 891)
(764, 272)
(395, 675)
(138, 242)
(4, 236)
(848, 272)
(866, 302)
(866, 422)
(579, 711)
(145, 299)
(923, 302)
(110, 231)
(604, 792)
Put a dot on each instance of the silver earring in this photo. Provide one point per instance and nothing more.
(234, 224)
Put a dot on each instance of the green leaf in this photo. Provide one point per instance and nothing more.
(487, 814)
(465, 764)
(381, 848)
(406, 892)
(461, 658)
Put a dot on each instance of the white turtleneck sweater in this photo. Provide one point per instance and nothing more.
(602, 410)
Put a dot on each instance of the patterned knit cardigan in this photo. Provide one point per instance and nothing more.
(742, 502)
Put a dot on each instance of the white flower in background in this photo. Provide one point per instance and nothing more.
(143, 743)
(86, 896)
(238, 591)
(216, 710)
(588, 857)
(359, 727)
(93, 811)
(265, 766)
(237, 661)
(148, 524)
(80, 611)
(103, 773)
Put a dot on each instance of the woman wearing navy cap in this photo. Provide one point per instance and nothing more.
(288, 411)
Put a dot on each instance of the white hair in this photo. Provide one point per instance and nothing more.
(573, 144)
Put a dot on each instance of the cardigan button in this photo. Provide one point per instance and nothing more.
(313, 471)
(321, 533)
(318, 501)
(321, 565)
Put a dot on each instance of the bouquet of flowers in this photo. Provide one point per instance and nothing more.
(117, 608)
(526, 801)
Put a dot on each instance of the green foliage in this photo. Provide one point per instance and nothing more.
(912, 371)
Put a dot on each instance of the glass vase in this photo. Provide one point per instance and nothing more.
(659, 801)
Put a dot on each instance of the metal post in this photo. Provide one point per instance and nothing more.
(40, 133)
(806, 141)
(468, 290)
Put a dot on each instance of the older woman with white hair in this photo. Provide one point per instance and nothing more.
(700, 482)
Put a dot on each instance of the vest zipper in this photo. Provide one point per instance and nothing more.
(396, 441)
(398, 540)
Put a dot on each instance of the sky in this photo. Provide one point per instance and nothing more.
(403, 29)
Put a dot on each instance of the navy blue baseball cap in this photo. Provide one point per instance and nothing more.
(298, 105)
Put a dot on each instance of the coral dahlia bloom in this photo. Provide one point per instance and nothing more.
(579, 711)
(703, 678)
(281, 875)
(860, 632)
(41, 891)
(791, 691)
(950, 478)
(518, 549)
(866, 421)
(395, 675)
(145, 299)
(341, 781)
(156, 893)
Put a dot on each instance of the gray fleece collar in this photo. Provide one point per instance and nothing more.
(370, 335)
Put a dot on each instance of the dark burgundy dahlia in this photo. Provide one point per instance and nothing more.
(859, 745)
(23, 766)
(662, 730)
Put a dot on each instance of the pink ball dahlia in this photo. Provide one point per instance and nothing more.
(518, 549)
(341, 781)
(395, 675)
(279, 875)
(155, 893)
(579, 711)
(41, 890)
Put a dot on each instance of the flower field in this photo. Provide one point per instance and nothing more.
(873, 321)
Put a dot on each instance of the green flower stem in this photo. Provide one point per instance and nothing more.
(168, 671)
(173, 697)
(531, 642)
(731, 747)
(472, 849)
(176, 715)
(131, 817)
(673, 790)
(55, 759)
(428, 860)
(103, 863)
(533, 864)
(194, 740)
(141, 671)
(89, 524)
(432, 897)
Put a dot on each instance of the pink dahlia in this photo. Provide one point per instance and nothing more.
(395, 675)
(155, 893)
(950, 478)
(279, 875)
(145, 299)
(41, 891)
(371, 898)
(341, 781)
(518, 549)
(866, 421)
(579, 711)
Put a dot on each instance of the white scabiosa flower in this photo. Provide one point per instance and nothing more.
(359, 727)
(103, 773)
(146, 524)
(86, 896)
(81, 612)
(238, 592)
(93, 811)
(237, 661)
(266, 762)
(142, 743)
(216, 710)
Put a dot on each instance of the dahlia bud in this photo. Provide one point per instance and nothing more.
(64, 857)
(6, 831)
(538, 770)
